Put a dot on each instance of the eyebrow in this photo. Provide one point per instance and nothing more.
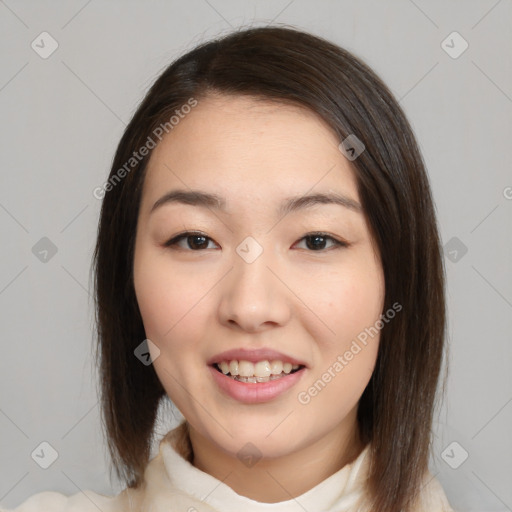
(290, 204)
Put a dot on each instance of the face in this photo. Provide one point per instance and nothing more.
(248, 277)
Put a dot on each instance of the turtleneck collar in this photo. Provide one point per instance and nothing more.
(340, 492)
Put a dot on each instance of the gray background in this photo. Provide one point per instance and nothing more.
(62, 118)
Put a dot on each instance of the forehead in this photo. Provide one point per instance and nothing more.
(246, 149)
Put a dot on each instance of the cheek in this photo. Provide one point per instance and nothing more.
(168, 304)
(355, 310)
(171, 316)
(346, 359)
(349, 301)
(350, 306)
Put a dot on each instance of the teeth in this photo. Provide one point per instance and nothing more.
(276, 367)
(258, 379)
(246, 369)
(233, 367)
(262, 371)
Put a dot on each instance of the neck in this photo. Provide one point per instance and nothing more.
(277, 479)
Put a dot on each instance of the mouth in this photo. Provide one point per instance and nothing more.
(256, 382)
(255, 373)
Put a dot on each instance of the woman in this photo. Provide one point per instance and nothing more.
(268, 242)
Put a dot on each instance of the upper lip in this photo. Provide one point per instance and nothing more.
(254, 355)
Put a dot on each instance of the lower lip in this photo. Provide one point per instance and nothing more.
(253, 393)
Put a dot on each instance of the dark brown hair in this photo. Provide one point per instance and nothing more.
(285, 65)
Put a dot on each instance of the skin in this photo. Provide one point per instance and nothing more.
(306, 302)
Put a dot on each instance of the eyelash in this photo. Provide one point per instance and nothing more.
(173, 242)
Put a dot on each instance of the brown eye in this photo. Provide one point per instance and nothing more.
(194, 241)
(197, 242)
(316, 242)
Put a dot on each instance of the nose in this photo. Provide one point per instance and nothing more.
(254, 297)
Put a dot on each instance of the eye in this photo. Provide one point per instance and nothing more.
(317, 242)
(195, 241)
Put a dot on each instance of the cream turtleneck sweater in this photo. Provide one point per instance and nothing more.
(172, 483)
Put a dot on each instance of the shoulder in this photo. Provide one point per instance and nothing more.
(433, 497)
(49, 501)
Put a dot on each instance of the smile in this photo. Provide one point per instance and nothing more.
(261, 371)
(252, 389)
